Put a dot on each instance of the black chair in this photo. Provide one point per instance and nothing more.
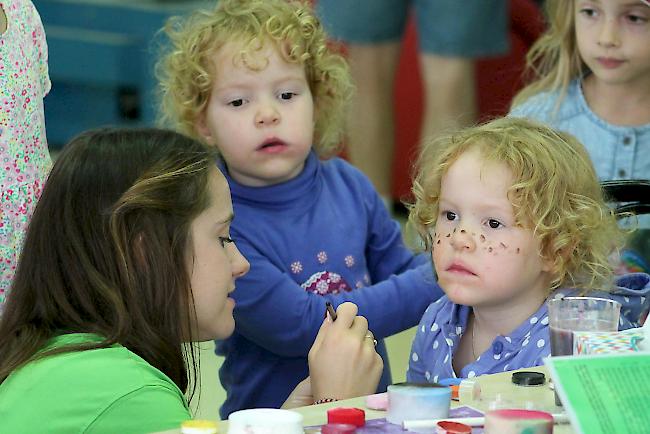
(633, 196)
(630, 195)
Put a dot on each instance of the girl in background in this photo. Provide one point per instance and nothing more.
(591, 78)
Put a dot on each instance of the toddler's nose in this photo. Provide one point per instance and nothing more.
(267, 115)
(461, 239)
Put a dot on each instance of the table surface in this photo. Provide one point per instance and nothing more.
(497, 391)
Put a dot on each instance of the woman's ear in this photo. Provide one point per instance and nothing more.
(139, 251)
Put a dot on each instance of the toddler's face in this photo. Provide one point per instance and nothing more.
(260, 115)
(481, 257)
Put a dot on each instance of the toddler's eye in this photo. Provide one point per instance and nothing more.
(225, 240)
(494, 224)
(450, 215)
(236, 102)
(287, 95)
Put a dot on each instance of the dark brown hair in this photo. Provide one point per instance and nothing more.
(106, 251)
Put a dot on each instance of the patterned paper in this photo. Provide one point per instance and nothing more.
(606, 342)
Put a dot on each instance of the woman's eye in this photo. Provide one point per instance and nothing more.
(236, 102)
(494, 224)
(225, 240)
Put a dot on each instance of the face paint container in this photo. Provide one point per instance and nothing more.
(515, 421)
(449, 427)
(469, 390)
(463, 389)
(338, 428)
(411, 401)
(346, 415)
(198, 426)
(265, 421)
(378, 401)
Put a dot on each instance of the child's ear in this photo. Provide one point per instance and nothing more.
(550, 262)
(548, 265)
(203, 130)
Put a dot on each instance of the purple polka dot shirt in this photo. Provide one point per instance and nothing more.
(444, 323)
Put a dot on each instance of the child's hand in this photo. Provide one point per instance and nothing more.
(343, 362)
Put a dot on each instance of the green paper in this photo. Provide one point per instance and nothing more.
(604, 394)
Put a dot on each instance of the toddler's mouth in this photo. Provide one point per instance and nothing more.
(272, 146)
(460, 269)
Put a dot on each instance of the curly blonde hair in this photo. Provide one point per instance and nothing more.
(555, 193)
(554, 60)
(186, 71)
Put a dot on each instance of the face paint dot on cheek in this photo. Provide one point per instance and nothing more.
(517, 250)
(503, 246)
(463, 231)
(490, 249)
(448, 235)
(482, 237)
(438, 242)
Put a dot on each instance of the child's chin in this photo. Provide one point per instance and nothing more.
(459, 296)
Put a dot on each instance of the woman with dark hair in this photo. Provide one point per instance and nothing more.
(128, 260)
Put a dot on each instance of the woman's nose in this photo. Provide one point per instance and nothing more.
(240, 264)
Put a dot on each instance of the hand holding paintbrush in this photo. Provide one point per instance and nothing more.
(343, 362)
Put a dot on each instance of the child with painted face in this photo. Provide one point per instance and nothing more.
(257, 80)
(513, 214)
(591, 78)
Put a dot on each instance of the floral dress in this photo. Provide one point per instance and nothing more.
(24, 156)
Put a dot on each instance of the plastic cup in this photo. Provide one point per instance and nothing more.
(265, 421)
(579, 314)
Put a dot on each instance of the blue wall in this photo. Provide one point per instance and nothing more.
(101, 58)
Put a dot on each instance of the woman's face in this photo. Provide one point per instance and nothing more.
(215, 264)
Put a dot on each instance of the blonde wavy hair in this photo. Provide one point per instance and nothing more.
(186, 71)
(555, 193)
(554, 60)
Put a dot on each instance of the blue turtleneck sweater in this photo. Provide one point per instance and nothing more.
(324, 235)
